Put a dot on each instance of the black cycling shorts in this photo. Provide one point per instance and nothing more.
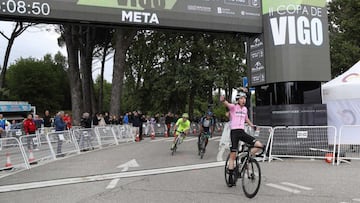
(239, 134)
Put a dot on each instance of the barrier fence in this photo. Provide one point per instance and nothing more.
(105, 136)
(303, 142)
(125, 133)
(85, 138)
(315, 142)
(62, 143)
(263, 134)
(348, 145)
(12, 154)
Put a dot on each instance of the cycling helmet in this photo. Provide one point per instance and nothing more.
(209, 113)
(185, 115)
(239, 95)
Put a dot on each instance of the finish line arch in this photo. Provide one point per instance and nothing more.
(288, 45)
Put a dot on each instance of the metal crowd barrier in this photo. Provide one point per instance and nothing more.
(12, 154)
(303, 142)
(62, 143)
(263, 134)
(348, 145)
(85, 138)
(125, 133)
(105, 135)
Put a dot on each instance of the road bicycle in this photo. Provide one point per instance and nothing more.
(178, 141)
(202, 142)
(247, 169)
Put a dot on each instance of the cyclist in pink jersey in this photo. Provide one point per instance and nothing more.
(238, 117)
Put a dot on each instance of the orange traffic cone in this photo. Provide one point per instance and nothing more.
(328, 157)
(166, 134)
(8, 161)
(32, 158)
(152, 135)
(137, 138)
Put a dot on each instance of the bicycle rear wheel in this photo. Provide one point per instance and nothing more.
(177, 141)
(251, 178)
(202, 146)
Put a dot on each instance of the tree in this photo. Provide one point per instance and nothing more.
(43, 83)
(123, 39)
(103, 49)
(70, 37)
(18, 29)
(344, 27)
(106, 91)
(174, 71)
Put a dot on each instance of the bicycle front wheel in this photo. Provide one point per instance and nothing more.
(227, 174)
(251, 178)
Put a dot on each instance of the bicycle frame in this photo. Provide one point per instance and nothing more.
(178, 141)
(248, 170)
(203, 137)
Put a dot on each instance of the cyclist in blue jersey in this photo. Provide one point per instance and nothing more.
(207, 125)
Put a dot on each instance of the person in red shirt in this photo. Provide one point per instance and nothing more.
(67, 120)
(30, 129)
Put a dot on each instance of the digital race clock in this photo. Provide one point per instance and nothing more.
(24, 7)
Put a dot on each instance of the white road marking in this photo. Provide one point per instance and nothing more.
(113, 183)
(185, 140)
(102, 177)
(280, 187)
(296, 186)
(127, 165)
(162, 139)
(356, 199)
(214, 138)
(191, 139)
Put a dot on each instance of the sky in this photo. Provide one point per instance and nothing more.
(36, 42)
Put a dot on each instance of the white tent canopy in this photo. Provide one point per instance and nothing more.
(345, 86)
(342, 98)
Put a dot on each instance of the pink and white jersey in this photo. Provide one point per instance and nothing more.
(238, 116)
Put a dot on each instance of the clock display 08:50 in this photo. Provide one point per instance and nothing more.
(24, 7)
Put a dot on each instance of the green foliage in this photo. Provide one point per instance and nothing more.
(43, 83)
(168, 71)
(106, 93)
(344, 20)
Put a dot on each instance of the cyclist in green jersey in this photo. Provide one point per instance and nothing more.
(181, 125)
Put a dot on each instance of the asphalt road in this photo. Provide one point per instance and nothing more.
(147, 172)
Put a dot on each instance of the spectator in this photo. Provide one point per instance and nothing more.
(85, 135)
(38, 121)
(47, 121)
(67, 120)
(3, 124)
(101, 120)
(60, 125)
(138, 123)
(30, 130)
(121, 120)
(107, 118)
(168, 120)
(114, 120)
(95, 120)
(126, 118)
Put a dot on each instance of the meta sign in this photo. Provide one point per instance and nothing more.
(218, 15)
